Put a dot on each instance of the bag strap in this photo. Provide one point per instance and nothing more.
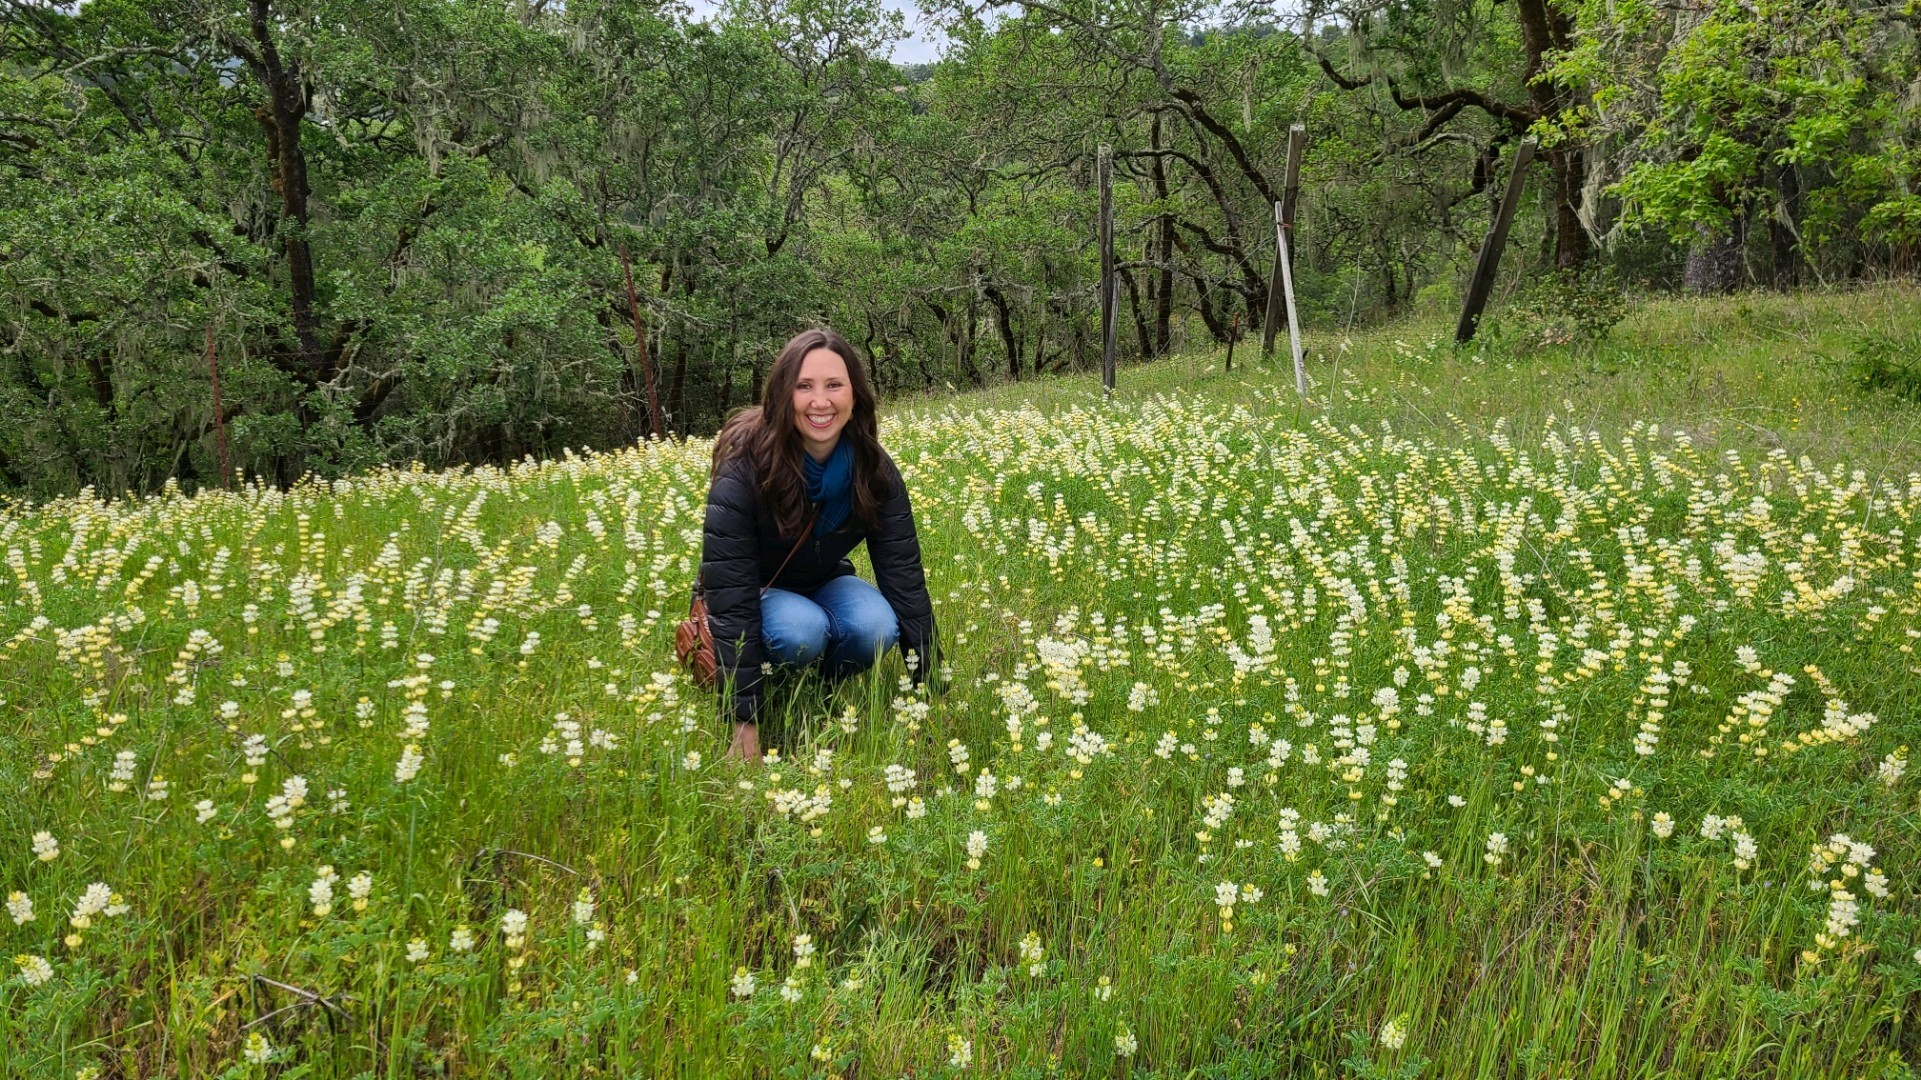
(700, 577)
(804, 530)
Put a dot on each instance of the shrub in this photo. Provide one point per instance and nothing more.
(1565, 307)
(1883, 362)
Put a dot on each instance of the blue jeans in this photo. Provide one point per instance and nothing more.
(846, 625)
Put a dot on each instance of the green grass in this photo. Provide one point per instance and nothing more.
(1753, 372)
(1485, 566)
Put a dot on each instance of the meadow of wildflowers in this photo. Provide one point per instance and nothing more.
(1273, 748)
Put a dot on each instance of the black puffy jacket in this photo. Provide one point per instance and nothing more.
(742, 550)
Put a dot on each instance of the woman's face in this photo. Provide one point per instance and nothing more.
(823, 401)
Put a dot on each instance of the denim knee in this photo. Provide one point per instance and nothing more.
(866, 642)
(862, 626)
(793, 629)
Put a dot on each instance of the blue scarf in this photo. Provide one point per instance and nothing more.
(831, 484)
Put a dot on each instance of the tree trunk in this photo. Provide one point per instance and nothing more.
(1205, 305)
(1004, 319)
(280, 118)
(965, 351)
(1714, 261)
(1139, 313)
(873, 359)
(1786, 269)
(1162, 287)
(1547, 28)
(1568, 167)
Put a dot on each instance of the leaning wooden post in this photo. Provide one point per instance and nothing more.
(1482, 284)
(1108, 295)
(1272, 322)
(1293, 317)
(1233, 331)
(219, 418)
(1283, 220)
(640, 344)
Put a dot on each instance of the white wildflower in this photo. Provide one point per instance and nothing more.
(34, 970)
(321, 892)
(409, 765)
(258, 1051)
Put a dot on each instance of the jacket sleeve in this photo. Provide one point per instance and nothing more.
(730, 576)
(894, 549)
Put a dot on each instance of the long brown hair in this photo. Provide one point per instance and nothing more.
(766, 434)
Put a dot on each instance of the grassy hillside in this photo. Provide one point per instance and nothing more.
(1754, 372)
(1508, 715)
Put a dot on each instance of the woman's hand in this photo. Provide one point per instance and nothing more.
(746, 744)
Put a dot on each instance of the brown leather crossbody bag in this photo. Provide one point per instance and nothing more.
(694, 638)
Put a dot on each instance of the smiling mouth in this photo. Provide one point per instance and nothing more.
(822, 422)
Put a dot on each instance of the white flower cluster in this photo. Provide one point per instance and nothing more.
(98, 899)
(124, 764)
(1227, 895)
(1086, 744)
(566, 739)
(282, 808)
(900, 780)
(976, 849)
(1833, 866)
(799, 805)
(320, 894)
(1033, 955)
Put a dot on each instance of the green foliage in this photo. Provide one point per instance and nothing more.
(1889, 364)
(1744, 112)
(1565, 307)
(404, 222)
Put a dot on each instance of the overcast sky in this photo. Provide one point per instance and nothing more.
(922, 46)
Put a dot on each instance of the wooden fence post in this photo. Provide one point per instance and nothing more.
(1109, 316)
(1283, 220)
(1482, 283)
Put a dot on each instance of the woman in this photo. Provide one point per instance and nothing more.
(798, 481)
